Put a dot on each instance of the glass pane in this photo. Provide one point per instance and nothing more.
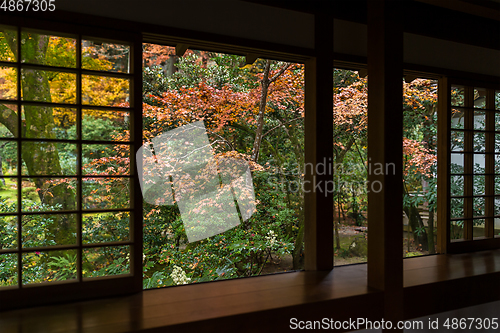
(49, 158)
(457, 185)
(479, 185)
(48, 266)
(479, 142)
(480, 98)
(457, 95)
(457, 141)
(8, 269)
(105, 56)
(106, 193)
(275, 224)
(456, 208)
(8, 195)
(497, 99)
(8, 83)
(48, 50)
(497, 185)
(49, 230)
(479, 163)
(105, 91)
(479, 120)
(8, 44)
(457, 118)
(497, 209)
(497, 121)
(105, 126)
(497, 143)
(105, 261)
(103, 159)
(456, 230)
(8, 158)
(48, 86)
(105, 227)
(457, 163)
(8, 231)
(8, 125)
(49, 123)
(497, 163)
(478, 228)
(478, 206)
(48, 194)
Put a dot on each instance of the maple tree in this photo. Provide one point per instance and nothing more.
(227, 97)
(251, 112)
(419, 146)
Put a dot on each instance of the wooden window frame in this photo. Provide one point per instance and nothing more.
(468, 243)
(22, 295)
(385, 264)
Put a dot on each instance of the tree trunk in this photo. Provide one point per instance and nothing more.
(298, 248)
(1, 169)
(337, 236)
(417, 226)
(262, 110)
(265, 83)
(40, 158)
(430, 232)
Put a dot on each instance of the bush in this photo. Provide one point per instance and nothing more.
(29, 193)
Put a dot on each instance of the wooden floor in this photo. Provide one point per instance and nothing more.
(266, 304)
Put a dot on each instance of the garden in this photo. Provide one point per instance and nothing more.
(252, 113)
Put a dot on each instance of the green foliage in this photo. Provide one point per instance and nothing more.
(65, 267)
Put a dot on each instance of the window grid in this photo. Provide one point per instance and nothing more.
(468, 105)
(19, 249)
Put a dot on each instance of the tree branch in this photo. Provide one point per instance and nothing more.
(222, 139)
(8, 118)
(281, 124)
(282, 70)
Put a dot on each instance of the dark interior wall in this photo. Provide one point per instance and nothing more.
(225, 17)
(451, 55)
(258, 22)
(351, 38)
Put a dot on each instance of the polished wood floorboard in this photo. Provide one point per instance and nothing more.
(269, 300)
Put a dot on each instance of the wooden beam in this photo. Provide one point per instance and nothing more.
(468, 163)
(443, 178)
(180, 49)
(489, 228)
(250, 58)
(136, 218)
(410, 78)
(318, 203)
(385, 153)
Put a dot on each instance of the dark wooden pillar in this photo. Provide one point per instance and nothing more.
(318, 203)
(385, 153)
(444, 119)
(136, 195)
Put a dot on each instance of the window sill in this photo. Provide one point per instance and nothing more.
(432, 284)
(440, 283)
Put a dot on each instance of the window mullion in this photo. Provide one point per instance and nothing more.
(79, 225)
(490, 165)
(19, 163)
(468, 163)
